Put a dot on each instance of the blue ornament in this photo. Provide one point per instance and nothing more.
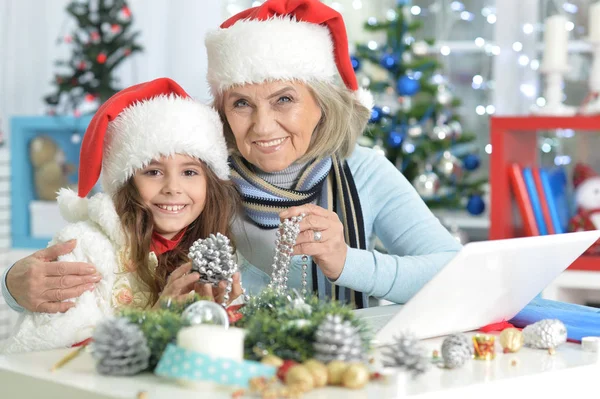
(471, 162)
(408, 86)
(389, 61)
(376, 114)
(475, 205)
(402, 2)
(395, 138)
(355, 63)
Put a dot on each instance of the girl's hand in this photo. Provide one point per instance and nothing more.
(217, 293)
(321, 236)
(179, 284)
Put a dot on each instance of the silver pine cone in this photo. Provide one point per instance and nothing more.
(213, 259)
(456, 350)
(545, 334)
(408, 353)
(336, 339)
(119, 348)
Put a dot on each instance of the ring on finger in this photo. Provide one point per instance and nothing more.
(317, 236)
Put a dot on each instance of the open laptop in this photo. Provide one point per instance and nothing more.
(486, 282)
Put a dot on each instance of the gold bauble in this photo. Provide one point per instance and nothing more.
(511, 340)
(318, 371)
(335, 371)
(300, 377)
(272, 360)
(356, 376)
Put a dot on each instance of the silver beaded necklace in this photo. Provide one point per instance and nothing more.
(286, 234)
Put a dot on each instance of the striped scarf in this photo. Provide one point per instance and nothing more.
(328, 182)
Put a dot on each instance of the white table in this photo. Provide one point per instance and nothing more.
(537, 373)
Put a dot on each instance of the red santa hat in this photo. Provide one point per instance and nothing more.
(582, 172)
(145, 122)
(282, 40)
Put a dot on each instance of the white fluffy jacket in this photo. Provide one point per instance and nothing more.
(95, 225)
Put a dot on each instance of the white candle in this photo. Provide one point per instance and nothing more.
(556, 38)
(594, 23)
(213, 340)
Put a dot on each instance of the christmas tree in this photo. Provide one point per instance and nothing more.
(414, 122)
(101, 42)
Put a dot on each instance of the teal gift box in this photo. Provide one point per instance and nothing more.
(183, 364)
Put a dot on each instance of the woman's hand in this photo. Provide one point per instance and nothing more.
(321, 236)
(179, 284)
(217, 293)
(41, 283)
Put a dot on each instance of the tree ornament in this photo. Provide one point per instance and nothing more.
(337, 339)
(356, 376)
(376, 114)
(318, 371)
(427, 184)
(511, 340)
(213, 259)
(389, 61)
(407, 57)
(395, 138)
(119, 348)
(455, 129)
(101, 58)
(408, 353)
(407, 86)
(379, 147)
(355, 63)
(335, 372)
(286, 234)
(301, 377)
(456, 350)
(443, 96)
(545, 334)
(420, 48)
(441, 132)
(450, 166)
(475, 205)
(471, 162)
(205, 312)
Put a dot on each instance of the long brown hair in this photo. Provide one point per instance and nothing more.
(220, 209)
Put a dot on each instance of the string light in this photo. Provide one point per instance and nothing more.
(528, 29)
(415, 10)
(523, 60)
(480, 110)
(488, 149)
(445, 50)
(490, 109)
(357, 4)
(479, 42)
(517, 46)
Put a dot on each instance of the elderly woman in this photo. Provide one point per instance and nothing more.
(292, 126)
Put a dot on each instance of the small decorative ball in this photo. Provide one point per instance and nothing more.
(300, 376)
(356, 376)
(318, 371)
(415, 131)
(376, 114)
(471, 162)
(355, 63)
(514, 362)
(455, 129)
(551, 351)
(420, 48)
(205, 312)
(335, 371)
(101, 58)
(441, 132)
(389, 61)
(450, 166)
(475, 205)
(511, 340)
(272, 360)
(407, 57)
(427, 184)
(395, 138)
(408, 86)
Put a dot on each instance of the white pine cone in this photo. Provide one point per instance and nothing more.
(119, 348)
(545, 334)
(408, 353)
(337, 340)
(456, 350)
(213, 259)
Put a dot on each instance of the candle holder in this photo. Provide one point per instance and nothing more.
(483, 346)
(593, 105)
(554, 93)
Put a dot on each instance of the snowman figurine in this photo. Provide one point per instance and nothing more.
(586, 183)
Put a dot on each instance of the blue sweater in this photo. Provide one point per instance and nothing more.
(418, 245)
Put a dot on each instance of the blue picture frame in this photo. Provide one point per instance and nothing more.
(22, 130)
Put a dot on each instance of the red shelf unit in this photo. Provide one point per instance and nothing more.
(514, 140)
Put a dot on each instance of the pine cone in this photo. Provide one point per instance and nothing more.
(119, 348)
(408, 353)
(212, 258)
(456, 350)
(337, 340)
(545, 334)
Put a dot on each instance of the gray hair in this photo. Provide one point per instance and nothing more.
(342, 121)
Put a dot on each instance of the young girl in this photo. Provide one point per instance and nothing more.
(163, 164)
